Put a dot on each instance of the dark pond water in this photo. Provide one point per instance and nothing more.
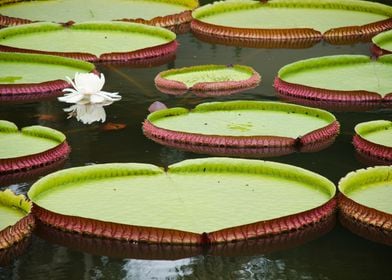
(339, 254)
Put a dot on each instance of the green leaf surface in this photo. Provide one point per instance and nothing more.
(342, 72)
(208, 74)
(319, 15)
(93, 37)
(195, 195)
(9, 216)
(384, 40)
(87, 10)
(12, 208)
(244, 118)
(379, 132)
(18, 68)
(31, 140)
(370, 187)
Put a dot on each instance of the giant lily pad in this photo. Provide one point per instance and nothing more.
(341, 78)
(92, 41)
(374, 139)
(31, 75)
(32, 147)
(336, 21)
(382, 43)
(365, 201)
(232, 199)
(207, 79)
(16, 222)
(270, 128)
(165, 13)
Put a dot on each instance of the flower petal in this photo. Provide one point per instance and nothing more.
(88, 83)
(71, 98)
(114, 96)
(96, 98)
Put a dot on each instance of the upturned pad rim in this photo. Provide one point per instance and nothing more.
(361, 214)
(22, 228)
(340, 35)
(315, 93)
(169, 47)
(261, 141)
(30, 161)
(46, 87)
(378, 42)
(172, 21)
(164, 235)
(219, 87)
(369, 147)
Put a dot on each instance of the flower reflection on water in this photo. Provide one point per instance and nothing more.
(87, 113)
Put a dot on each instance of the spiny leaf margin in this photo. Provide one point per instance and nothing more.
(92, 172)
(9, 199)
(248, 166)
(361, 178)
(235, 5)
(372, 126)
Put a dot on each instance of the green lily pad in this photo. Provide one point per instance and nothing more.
(292, 20)
(157, 12)
(374, 139)
(207, 79)
(383, 43)
(378, 132)
(228, 193)
(33, 146)
(343, 78)
(15, 222)
(30, 74)
(365, 200)
(242, 124)
(90, 40)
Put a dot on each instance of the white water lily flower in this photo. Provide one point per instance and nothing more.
(88, 89)
(87, 113)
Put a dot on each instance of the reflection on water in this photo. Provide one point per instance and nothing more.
(87, 113)
(338, 255)
(141, 269)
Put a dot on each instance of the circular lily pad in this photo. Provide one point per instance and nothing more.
(382, 43)
(336, 21)
(32, 147)
(242, 125)
(16, 222)
(365, 200)
(374, 139)
(31, 75)
(232, 199)
(341, 78)
(92, 41)
(207, 79)
(165, 13)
